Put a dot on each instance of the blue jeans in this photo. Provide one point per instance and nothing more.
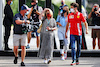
(79, 43)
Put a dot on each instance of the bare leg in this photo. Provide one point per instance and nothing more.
(99, 43)
(16, 54)
(45, 59)
(94, 43)
(38, 41)
(16, 51)
(29, 36)
(23, 52)
(62, 54)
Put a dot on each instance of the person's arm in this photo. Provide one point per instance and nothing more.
(18, 21)
(48, 28)
(98, 14)
(38, 12)
(54, 26)
(67, 27)
(28, 16)
(86, 26)
(21, 22)
(59, 24)
(8, 13)
(90, 14)
(42, 13)
(5, 10)
(58, 20)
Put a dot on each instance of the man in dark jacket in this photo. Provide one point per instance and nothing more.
(8, 19)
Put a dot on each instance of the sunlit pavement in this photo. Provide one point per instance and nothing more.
(56, 62)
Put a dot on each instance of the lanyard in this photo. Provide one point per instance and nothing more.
(48, 22)
(65, 18)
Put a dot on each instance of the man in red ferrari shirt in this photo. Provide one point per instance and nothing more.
(75, 18)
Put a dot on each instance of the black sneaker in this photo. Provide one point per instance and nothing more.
(15, 60)
(8, 49)
(49, 61)
(22, 64)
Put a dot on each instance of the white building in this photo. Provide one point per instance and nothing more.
(2, 4)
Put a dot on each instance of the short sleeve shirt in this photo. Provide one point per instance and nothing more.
(75, 21)
(62, 20)
(17, 27)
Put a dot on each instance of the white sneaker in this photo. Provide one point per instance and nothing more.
(45, 61)
(37, 48)
(65, 55)
(62, 58)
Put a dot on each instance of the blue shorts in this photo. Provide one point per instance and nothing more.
(37, 34)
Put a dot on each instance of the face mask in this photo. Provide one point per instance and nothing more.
(27, 13)
(72, 10)
(64, 11)
(48, 15)
(62, 3)
(11, 3)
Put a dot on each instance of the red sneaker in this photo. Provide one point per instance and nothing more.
(77, 63)
(65, 55)
(73, 63)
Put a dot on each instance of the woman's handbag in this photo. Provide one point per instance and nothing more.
(39, 30)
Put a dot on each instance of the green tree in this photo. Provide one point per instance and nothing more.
(14, 6)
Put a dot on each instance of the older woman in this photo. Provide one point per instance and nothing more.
(61, 22)
(47, 35)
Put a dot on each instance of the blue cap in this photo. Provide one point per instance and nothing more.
(24, 7)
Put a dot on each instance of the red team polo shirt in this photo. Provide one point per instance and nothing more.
(75, 21)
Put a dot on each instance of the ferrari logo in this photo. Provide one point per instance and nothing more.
(78, 16)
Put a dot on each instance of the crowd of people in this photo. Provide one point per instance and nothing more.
(67, 19)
